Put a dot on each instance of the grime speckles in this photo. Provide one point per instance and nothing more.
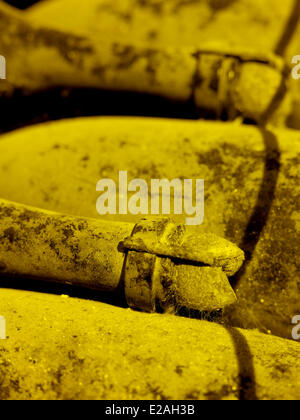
(212, 157)
(109, 8)
(71, 48)
(10, 234)
(215, 6)
(155, 6)
(127, 55)
(218, 395)
(68, 232)
(40, 228)
(219, 5)
(152, 35)
(83, 225)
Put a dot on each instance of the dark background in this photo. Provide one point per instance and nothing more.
(21, 4)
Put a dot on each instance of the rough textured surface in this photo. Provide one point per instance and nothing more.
(252, 190)
(70, 348)
(246, 23)
(213, 82)
(270, 25)
(165, 238)
(62, 348)
(55, 247)
(86, 252)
